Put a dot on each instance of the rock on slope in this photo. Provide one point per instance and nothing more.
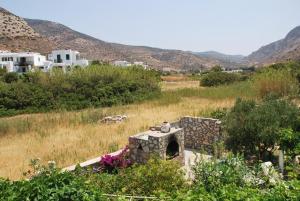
(12, 26)
(279, 51)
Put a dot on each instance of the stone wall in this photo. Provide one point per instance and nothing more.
(200, 133)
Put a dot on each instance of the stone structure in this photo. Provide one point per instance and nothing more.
(200, 133)
(166, 145)
(194, 133)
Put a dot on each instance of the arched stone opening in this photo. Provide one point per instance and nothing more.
(140, 154)
(172, 150)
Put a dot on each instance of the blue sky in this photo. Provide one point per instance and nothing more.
(228, 26)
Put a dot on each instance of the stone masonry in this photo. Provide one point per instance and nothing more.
(200, 133)
(193, 133)
(165, 145)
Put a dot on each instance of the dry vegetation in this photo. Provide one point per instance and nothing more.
(167, 85)
(72, 137)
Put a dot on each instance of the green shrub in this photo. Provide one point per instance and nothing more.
(10, 77)
(94, 86)
(2, 71)
(154, 178)
(255, 129)
(216, 78)
(232, 179)
(228, 179)
(50, 185)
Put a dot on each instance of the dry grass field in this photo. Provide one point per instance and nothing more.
(173, 85)
(72, 137)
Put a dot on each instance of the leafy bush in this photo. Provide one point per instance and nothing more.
(219, 113)
(280, 82)
(214, 174)
(96, 86)
(228, 179)
(50, 185)
(2, 71)
(154, 178)
(255, 129)
(232, 179)
(216, 78)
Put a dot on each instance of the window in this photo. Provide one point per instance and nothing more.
(67, 57)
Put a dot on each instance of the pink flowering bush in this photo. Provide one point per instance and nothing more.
(111, 163)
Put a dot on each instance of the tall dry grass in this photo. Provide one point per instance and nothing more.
(65, 138)
(72, 137)
(167, 85)
(280, 82)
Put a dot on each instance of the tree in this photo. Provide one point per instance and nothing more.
(255, 129)
(216, 68)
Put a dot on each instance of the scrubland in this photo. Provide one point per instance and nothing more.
(72, 137)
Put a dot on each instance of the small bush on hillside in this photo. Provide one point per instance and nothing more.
(216, 78)
(255, 129)
(280, 82)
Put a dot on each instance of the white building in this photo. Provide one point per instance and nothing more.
(23, 61)
(67, 58)
(140, 63)
(122, 63)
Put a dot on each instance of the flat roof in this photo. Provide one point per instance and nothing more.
(146, 134)
(20, 54)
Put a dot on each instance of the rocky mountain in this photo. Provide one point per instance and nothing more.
(12, 26)
(18, 34)
(226, 59)
(93, 48)
(282, 50)
(221, 56)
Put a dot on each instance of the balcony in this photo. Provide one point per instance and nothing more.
(58, 61)
(25, 63)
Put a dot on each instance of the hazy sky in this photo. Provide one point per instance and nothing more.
(228, 26)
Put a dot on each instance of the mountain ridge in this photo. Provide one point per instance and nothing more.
(281, 50)
(93, 48)
(22, 34)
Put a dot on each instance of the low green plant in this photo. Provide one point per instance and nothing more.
(10, 77)
(49, 183)
(153, 178)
